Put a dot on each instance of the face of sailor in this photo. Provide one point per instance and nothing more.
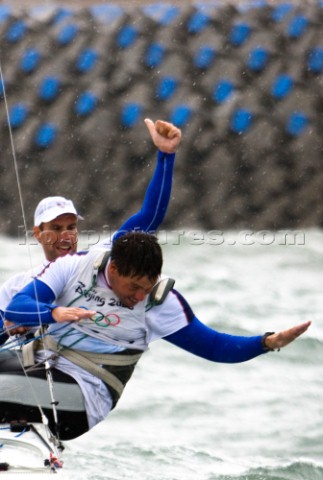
(130, 290)
(58, 237)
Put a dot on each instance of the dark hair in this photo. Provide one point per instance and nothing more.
(137, 254)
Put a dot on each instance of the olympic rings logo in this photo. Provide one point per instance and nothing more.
(108, 320)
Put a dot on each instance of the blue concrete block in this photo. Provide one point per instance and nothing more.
(197, 22)
(282, 86)
(87, 60)
(223, 90)
(131, 114)
(49, 88)
(281, 11)
(62, 14)
(297, 26)
(127, 36)
(180, 115)
(30, 60)
(297, 123)
(16, 31)
(154, 55)
(241, 120)
(2, 87)
(204, 57)
(18, 114)
(166, 88)
(240, 33)
(315, 59)
(46, 135)
(86, 104)
(67, 34)
(257, 59)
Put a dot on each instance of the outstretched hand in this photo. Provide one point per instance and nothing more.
(71, 314)
(165, 135)
(283, 338)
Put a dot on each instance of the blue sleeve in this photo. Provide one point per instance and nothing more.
(32, 306)
(207, 343)
(156, 200)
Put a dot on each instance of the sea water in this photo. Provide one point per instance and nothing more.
(183, 418)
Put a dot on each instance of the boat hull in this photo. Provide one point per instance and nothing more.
(27, 452)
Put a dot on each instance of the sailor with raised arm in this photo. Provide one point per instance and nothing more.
(56, 218)
(104, 309)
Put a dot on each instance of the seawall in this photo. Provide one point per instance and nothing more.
(244, 82)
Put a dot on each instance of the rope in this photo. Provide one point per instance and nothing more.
(44, 419)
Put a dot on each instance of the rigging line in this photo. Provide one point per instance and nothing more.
(19, 341)
(33, 392)
(43, 416)
(51, 437)
(14, 156)
(13, 150)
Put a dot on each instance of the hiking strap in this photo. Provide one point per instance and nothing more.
(91, 362)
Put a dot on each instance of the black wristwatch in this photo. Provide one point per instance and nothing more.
(263, 342)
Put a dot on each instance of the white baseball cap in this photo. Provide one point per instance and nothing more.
(52, 207)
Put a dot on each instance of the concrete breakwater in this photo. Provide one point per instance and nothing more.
(245, 84)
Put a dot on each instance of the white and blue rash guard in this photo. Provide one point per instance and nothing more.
(62, 282)
(195, 337)
(148, 219)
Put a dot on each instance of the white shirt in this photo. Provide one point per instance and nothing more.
(68, 277)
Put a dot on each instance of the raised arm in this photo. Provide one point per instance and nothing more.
(166, 138)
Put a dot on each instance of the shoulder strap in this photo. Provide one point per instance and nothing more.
(99, 265)
(104, 261)
(159, 292)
